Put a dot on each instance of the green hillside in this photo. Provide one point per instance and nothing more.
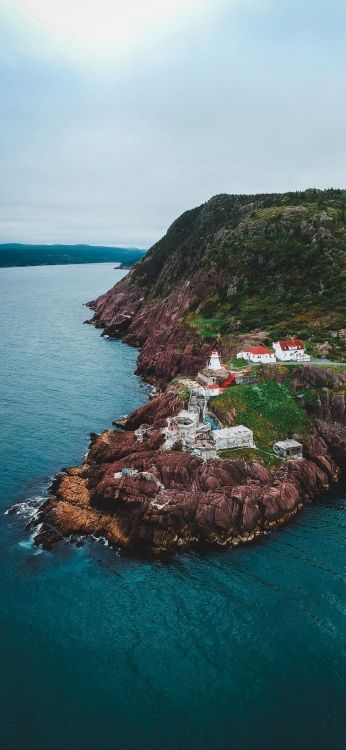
(269, 409)
(272, 262)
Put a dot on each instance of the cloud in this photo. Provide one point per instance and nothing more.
(249, 100)
(85, 31)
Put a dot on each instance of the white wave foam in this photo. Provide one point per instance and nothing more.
(100, 539)
(27, 509)
(29, 544)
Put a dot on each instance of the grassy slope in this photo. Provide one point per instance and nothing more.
(269, 409)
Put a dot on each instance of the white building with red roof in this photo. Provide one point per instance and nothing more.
(290, 350)
(259, 354)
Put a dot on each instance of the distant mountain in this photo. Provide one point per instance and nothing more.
(16, 254)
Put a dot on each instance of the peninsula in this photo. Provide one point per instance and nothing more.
(228, 448)
(16, 255)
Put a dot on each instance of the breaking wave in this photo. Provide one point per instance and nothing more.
(26, 509)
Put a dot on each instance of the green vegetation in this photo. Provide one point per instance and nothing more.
(271, 262)
(270, 410)
(237, 364)
(181, 389)
(206, 327)
(16, 254)
(309, 395)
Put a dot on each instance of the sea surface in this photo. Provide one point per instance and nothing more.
(237, 650)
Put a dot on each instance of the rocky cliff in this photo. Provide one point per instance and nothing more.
(236, 269)
(175, 501)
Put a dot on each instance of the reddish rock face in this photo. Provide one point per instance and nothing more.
(176, 501)
(168, 347)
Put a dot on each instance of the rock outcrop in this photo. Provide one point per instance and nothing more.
(229, 271)
(171, 500)
(167, 346)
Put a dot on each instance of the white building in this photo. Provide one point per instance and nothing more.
(288, 449)
(233, 437)
(214, 362)
(191, 430)
(214, 372)
(213, 390)
(257, 354)
(290, 350)
(187, 428)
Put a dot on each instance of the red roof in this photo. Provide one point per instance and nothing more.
(229, 380)
(258, 350)
(214, 386)
(289, 343)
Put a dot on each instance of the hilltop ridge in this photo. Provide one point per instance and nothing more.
(238, 267)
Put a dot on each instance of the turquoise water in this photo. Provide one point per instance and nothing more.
(212, 421)
(238, 650)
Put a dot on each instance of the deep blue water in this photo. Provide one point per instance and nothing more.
(238, 650)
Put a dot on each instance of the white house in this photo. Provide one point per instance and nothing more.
(290, 349)
(257, 354)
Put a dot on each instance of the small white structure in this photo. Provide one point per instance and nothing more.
(142, 432)
(198, 403)
(186, 423)
(190, 430)
(214, 372)
(257, 354)
(290, 350)
(185, 429)
(213, 390)
(205, 450)
(233, 437)
(288, 449)
(127, 472)
(214, 362)
(147, 475)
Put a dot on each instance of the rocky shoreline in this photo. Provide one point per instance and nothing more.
(197, 288)
(167, 347)
(173, 500)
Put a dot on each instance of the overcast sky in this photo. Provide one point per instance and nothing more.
(116, 116)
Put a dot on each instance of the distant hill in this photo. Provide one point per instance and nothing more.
(16, 254)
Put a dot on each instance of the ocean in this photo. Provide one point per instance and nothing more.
(242, 649)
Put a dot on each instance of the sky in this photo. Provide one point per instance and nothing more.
(118, 115)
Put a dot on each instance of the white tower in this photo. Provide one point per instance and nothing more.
(214, 362)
